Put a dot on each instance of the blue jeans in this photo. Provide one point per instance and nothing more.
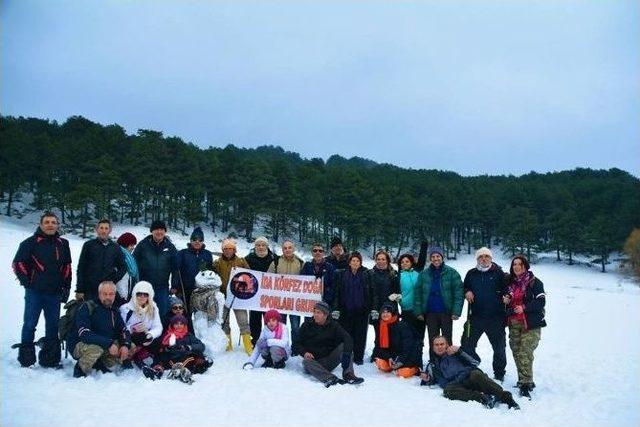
(34, 303)
(161, 298)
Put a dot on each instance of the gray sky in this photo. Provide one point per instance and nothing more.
(476, 87)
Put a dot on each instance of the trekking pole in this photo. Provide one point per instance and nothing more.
(184, 295)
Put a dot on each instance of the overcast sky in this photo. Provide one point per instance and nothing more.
(476, 87)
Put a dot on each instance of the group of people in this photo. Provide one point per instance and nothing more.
(136, 309)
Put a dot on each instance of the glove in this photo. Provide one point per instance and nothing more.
(247, 366)
(395, 297)
(148, 339)
(185, 347)
(345, 361)
(335, 314)
(396, 364)
(64, 295)
(374, 314)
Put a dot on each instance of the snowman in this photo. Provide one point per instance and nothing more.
(207, 304)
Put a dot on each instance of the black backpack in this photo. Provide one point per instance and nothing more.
(67, 322)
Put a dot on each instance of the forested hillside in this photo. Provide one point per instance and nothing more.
(86, 171)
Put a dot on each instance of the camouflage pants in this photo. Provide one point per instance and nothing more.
(523, 342)
(89, 354)
(242, 317)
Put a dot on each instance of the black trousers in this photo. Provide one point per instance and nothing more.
(494, 328)
(438, 324)
(255, 325)
(357, 325)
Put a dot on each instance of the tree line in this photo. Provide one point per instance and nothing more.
(86, 171)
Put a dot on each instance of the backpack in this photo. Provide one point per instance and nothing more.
(67, 322)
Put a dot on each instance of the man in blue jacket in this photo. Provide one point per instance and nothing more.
(458, 374)
(43, 267)
(102, 337)
(484, 287)
(190, 261)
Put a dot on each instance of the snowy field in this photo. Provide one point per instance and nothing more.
(587, 370)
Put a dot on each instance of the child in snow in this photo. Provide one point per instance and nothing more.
(142, 319)
(273, 344)
(180, 348)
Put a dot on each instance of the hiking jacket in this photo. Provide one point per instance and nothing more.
(488, 288)
(321, 340)
(156, 261)
(450, 288)
(403, 345)
(99, 261)
(189, 263)
(326, 272)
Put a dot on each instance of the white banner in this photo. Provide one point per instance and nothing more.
(287, 293)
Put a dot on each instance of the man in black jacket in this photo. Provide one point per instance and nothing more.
(43, 267)
(100, 260)
(157, 261)
(484, 287)
(324, 345)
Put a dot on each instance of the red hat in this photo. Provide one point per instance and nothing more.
(272, 314)
(126, 240)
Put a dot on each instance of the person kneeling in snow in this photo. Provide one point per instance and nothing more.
(273, 343)
(142, 318)
(397, 348)
(102, 340)
(324, 344)
(181, 351)
(458, 374)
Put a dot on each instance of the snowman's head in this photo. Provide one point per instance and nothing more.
(208, 279)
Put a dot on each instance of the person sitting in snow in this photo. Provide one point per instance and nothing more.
(458, 374)
(176, 306)
(324, 345)
(102, 340)
(273, 344)
(396, 348)
(142, 318)
(180, 349)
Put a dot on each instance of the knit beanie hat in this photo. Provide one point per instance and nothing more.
(197, 234)
(157, 224)
(174, 300)
(178, 318)
(335, 241)
(323, 306)
(272, 314)
(436, 250)
(483, 251)
(390, 307)
(261, 239)
(126, 240)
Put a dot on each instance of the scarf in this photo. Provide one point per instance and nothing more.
(132, 267)
(277, 332)
(384, 331)
(171, 331)
(483, 269)
(518, 289)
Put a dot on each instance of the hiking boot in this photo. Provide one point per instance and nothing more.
(508, 399)
(489, 401)
(268, 362)
(127, 364)
(350, 378)
(78, 372)
(524, 391)
(498, 377)
(333, 380)
(279, 365)
(100, 366)
(149, 372)
(26, 354)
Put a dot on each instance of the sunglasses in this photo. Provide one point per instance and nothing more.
(196, 241)
(317, 250)
(177, 307)
(142, 294)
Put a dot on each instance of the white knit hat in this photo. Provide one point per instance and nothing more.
(261, 239)
(483, 251)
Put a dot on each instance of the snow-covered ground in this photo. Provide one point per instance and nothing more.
(587, 370)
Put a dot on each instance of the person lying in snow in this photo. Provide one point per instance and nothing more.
(396, 348)
(458, 374)
(180, 349)
(273, 344)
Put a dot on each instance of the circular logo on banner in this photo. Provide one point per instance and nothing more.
(244, 285)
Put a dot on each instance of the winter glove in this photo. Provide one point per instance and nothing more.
(335, 314)
(148, 339)
(247, 366)
(374, 314)
(396, 364)
(185, 348)
(395, 297)
(64, 295)
(345, 361)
